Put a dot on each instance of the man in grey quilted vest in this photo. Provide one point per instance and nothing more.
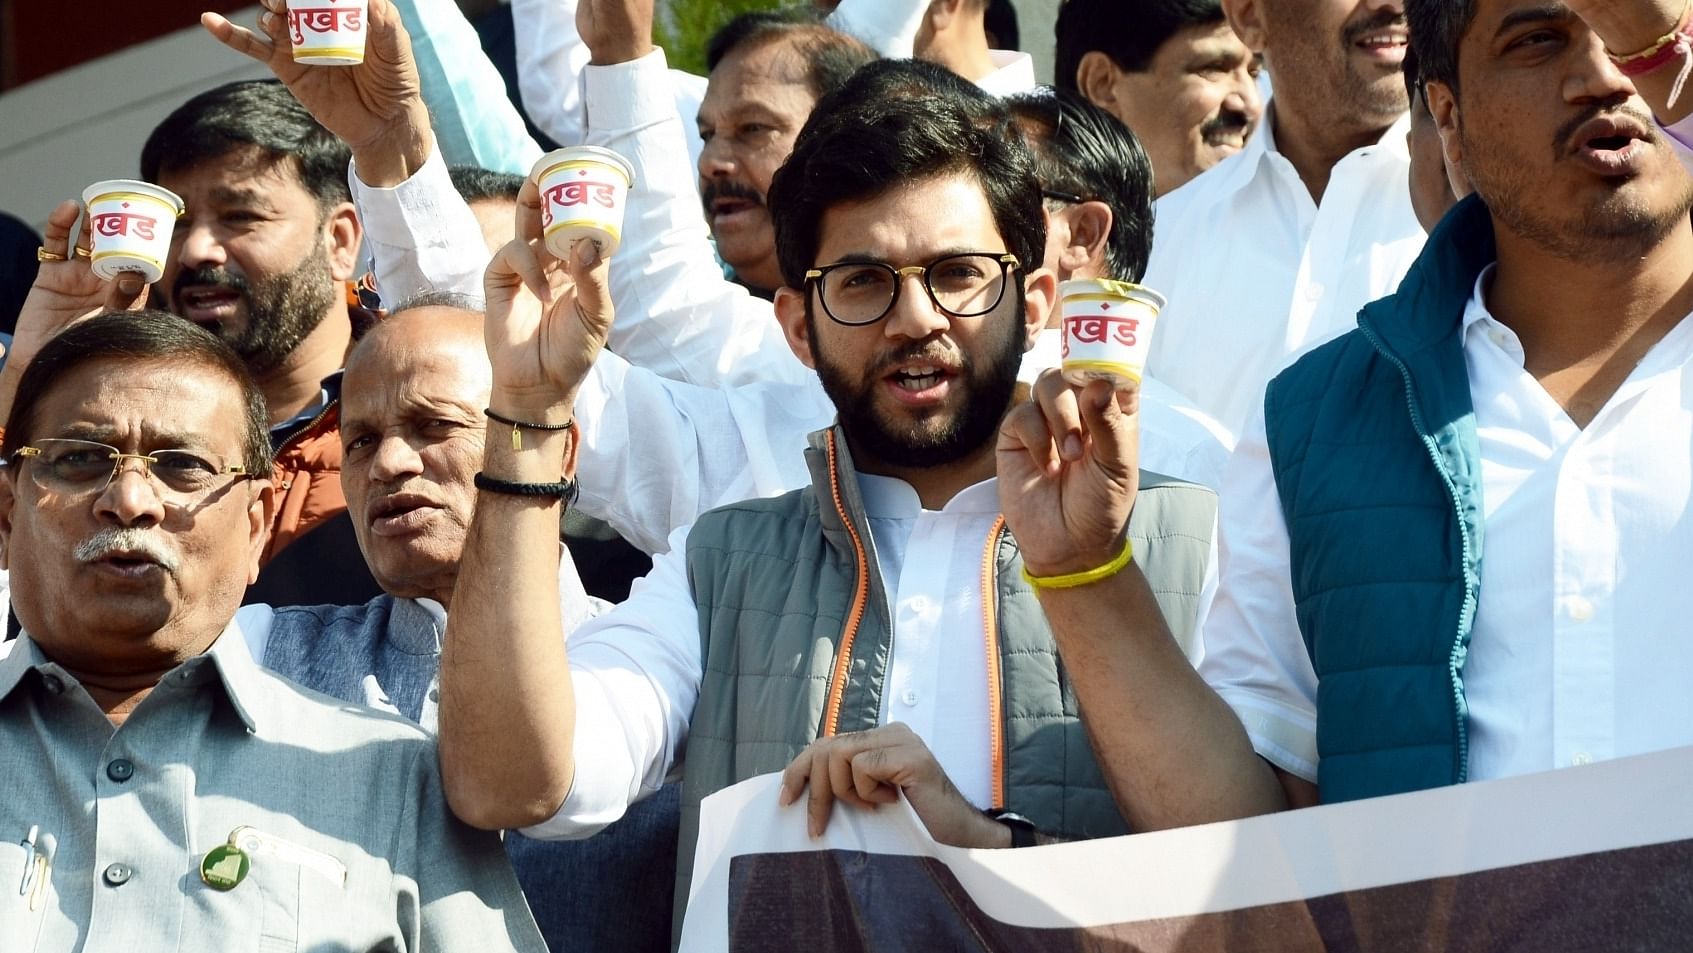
(886, 592)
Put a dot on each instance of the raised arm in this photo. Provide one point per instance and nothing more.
(678, 316)
(475, 121)
(507, 705)
(422, 235)
(1173, 752)
(65, 291)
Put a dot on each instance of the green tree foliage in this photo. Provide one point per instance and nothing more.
(684, 27)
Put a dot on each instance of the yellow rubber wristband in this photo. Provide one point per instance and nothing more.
(1086, 577)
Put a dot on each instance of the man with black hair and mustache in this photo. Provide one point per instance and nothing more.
(1275, 249)
(261, 258)
(1457, 534)
(1181, 78)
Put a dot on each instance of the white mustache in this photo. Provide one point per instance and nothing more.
(125, 539)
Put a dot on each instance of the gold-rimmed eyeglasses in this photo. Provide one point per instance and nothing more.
(80, 467)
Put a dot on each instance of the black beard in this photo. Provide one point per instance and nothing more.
(988, 393)
(281, 311)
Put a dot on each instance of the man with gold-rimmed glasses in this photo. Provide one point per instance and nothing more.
(161, 787)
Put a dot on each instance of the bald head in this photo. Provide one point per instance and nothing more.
(412, 433)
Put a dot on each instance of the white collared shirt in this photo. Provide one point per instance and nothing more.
(1580, 649)
(1257, 272)
(637, 670)
(1013, 73)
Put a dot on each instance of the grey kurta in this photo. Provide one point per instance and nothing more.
(222, 744)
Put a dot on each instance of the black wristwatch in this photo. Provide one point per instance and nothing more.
(1022, 829)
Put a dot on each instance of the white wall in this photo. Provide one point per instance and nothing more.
(88, 123)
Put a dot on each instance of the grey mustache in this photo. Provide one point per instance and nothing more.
(125, 539)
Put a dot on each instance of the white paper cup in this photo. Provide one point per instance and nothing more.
(1108, 328)
(328, 32)
(131, 222)
(584, 190)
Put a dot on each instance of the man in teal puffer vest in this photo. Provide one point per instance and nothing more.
(887, 591)
(1453, 550)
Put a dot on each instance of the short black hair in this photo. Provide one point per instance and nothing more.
(1437, 30)
(830, 56)
(1082, 150)
(1131, 32)
(146, 335)
(906, 78)
(475, 184)
(253, 114)
(857, 146)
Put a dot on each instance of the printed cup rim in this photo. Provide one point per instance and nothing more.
(1083, 288)
(568, 154)
(144, 190)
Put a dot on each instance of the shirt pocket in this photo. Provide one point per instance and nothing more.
(21, 924)
(289, 901)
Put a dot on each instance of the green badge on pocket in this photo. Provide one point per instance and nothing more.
(225, 867)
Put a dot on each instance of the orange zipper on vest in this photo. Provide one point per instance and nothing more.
(990, 636)
(860, 595)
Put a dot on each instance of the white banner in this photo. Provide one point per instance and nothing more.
(1592, 858)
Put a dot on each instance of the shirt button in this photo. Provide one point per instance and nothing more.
(120, 770)
(435, 694)
(1580, 609)
(53, 683)
(1313, 292)
(917, 605)
(1580, 758)
(117, 875)
(909, 698)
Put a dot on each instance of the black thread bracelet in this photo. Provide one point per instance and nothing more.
(518, 426)
(497, 418)
(564, 489)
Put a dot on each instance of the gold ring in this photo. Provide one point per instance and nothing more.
(82, 252)
(42, 254)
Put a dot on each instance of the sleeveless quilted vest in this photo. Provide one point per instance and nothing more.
(795, 635)
(1373, 444)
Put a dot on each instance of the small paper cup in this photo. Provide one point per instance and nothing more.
(328, 32)
(1108, 328)
(132, 223)
(584, 190)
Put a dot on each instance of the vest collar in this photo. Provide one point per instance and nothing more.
(1421, 325)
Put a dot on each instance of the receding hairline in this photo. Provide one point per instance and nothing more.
(444, 324)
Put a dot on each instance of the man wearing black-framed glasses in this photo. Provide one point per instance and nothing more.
(880, 609)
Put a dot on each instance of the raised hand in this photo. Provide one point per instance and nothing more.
(376, 107)
(1069, 469)
(547, 319)
(1628, 26)
(615, 31)
(64, 293)
(874, 767)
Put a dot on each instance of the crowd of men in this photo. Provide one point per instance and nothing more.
(321, 551)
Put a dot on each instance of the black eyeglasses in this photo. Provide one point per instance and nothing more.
(967, 285)
(1069, 198)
